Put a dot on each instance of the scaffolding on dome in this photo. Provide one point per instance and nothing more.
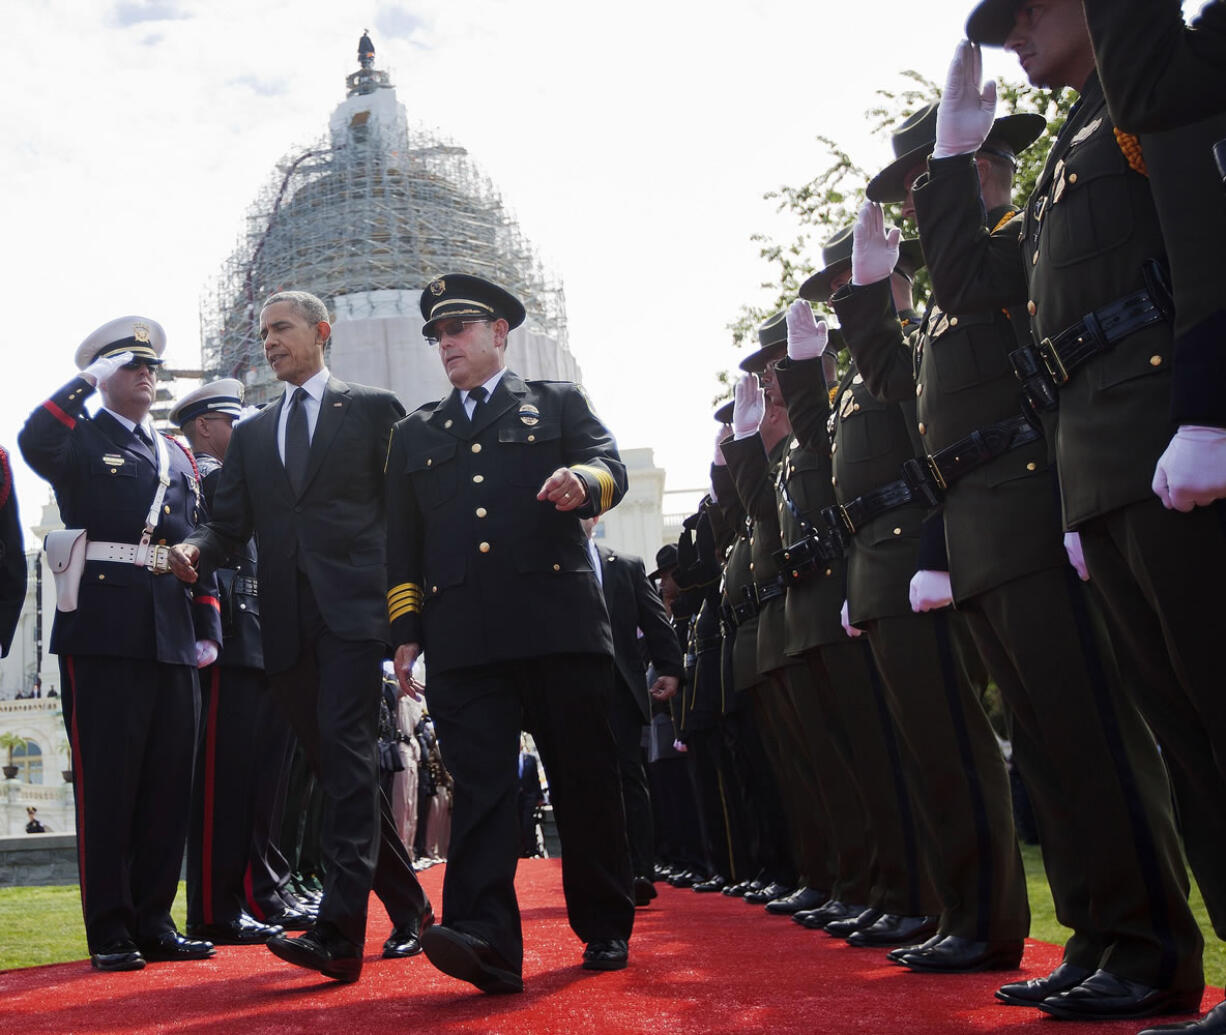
(390, 209)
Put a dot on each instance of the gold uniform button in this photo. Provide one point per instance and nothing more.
(476, 447)
(855, 407)
(953, 321)
(430, 463)
(114, 470)
(557, 567)
(101, 578)
(478, 478)
(484, 547)
(481, 512)
(1031, 308)
(829, 571)
(1032, 466)
(834, 480)
(242, 607)
(1072, 177)
(448, 422)
(434, 589)
(1155, 361)
(166, 509)
(531, 438)
(923, 428)
(898, 531)
(751, 565)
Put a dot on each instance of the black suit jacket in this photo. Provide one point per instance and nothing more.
(479, 569)
(334, 530)
(12, 557)
(634, 604)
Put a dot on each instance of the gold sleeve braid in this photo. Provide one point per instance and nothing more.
(1130, 144)
(605, 482)
(402, 600)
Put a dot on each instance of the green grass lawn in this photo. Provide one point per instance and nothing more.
(43, 925)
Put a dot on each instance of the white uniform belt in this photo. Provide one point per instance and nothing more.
(154, 557)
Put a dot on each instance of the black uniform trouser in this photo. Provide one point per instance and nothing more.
(228, 748)
(331, 696)
(958, 775)
(132, 726)
(1160, 576)
(901, 883)
(721, 802)
(627, 724)
(268, 870)
(563, 701)
(1097, 783)
(678, 833)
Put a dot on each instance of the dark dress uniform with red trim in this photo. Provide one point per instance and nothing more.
(498, 590)
(127, 664)
(12, 557)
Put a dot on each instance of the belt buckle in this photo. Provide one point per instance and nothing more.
(158, 560)
(1051, 360)
(847, 522)
(935, 471)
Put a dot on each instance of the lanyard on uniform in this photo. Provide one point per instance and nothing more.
(151, 519)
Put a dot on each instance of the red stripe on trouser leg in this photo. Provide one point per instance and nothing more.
(210, 787)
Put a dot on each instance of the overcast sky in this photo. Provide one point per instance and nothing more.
(634, 141)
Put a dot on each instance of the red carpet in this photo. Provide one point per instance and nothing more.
(698, 963)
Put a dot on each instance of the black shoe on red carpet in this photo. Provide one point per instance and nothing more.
(322, 949)
(644, 891)
(714, 883)
(767, 893)
(850, 925)
(469, 958)
(609, 954)
(740, 888)
(955, 955)
(291, 919)
(896, 955)
(1213, 1023)
(797, 902)
(405, 939)
(172, 947)
(244, 929)
(1105, 997)
(121, 955)
(1034, 991)
(892, 929)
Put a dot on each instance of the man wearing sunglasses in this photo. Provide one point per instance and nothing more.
(490, 579)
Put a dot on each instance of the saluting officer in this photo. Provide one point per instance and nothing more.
(1087, 260)
(130, 649)
(489, 576)
(1090, 764)
(12, 557)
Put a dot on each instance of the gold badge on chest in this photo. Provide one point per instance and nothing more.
(529, 415)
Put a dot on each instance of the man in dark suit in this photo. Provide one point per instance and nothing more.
(635, 608)
(305, 477)
(129, 643)
(12, 557)
(490, 577)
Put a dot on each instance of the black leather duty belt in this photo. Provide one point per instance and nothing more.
(245, 586)
(764, 591)
(733, 615)
(819, 548)
(705, 643)
(915, 486)
(980, 447)
(1045, 367)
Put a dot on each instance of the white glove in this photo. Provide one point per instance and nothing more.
(848, 628)
(206, 653)
(1072, 547)
(1192, 471)
(104, 366)
(680, 746)
(245, 413)
(807, 337)
(720, 435)
(748, 407)
(874, 253)
(966, 113)
(930, 591)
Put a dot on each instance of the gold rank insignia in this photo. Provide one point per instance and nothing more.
(1085, 132)
(529, 415)
(140, 331)
(437, 287)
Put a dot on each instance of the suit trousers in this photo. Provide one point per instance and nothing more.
(331, 696)
(955, 768)
(1159, 575)
(627, 724)
(268, 870)
(1096, 780)
(563, 701)
(132, 725)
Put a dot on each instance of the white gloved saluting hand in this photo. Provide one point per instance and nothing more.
(1192, 471)
(748, 407)
(104, 366)
(966, 112)
(807, 336)
(874, 252)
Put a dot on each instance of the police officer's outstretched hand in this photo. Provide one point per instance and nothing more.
(748, 407)
(874, 252)
(966, 112)
(183, 560)
(1192, 471)
(564, 489)
(104, 366)
(807, 336)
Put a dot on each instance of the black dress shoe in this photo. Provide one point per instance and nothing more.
(244, 929)
(121, 955)
(1213, 1023)
(798, 901)
(711, 884)
(852, 924)
(832, 909)
(892, 929)
(1033, 992)
(955, 955)
(644, 891)
(896, 955)
(767, 893)
(684, 879)
(171, 946)
(471, 959)
(1104, 997)
(290, 919)
(320, 949)
(609, 954)
(739, 889)
(405, 940)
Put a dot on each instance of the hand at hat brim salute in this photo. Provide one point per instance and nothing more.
(874, 252)
(807, 336)
(966, 113)
(102, 368)
(748, 407)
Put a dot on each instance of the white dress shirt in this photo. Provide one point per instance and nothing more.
(315, 393)
(470, 403)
